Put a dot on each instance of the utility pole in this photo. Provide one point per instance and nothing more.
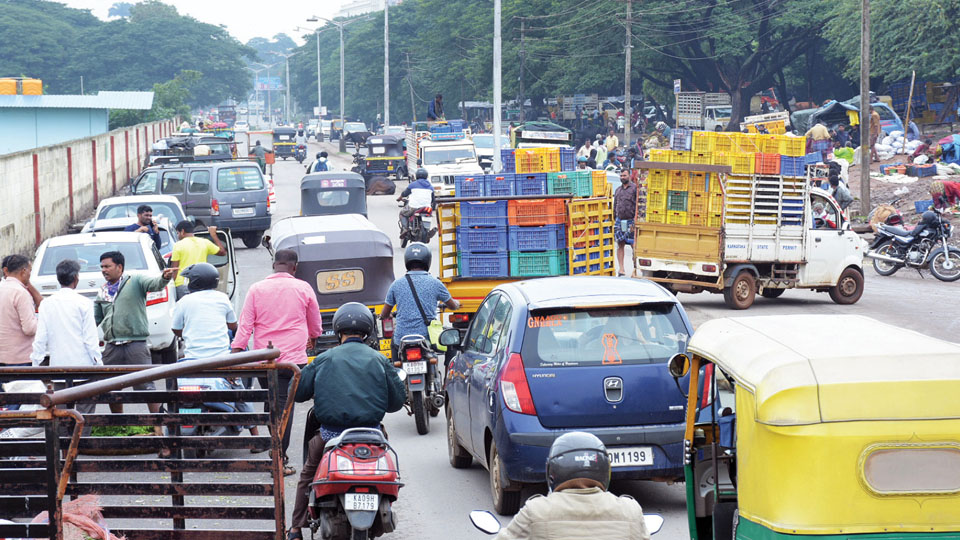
(865, 107)
(286, 109)
(523, 63)
(269, 101)
(497, 165)
(413, 106)
(319, 95)
(627, 113)
(386, 62)
(343, 106)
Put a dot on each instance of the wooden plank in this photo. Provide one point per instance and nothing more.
(194, 534)
(189, 512)
(173, 465)
(161, 488)
(154, 443)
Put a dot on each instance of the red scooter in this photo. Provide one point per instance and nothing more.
(356, 484)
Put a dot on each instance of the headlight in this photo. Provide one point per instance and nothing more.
(436, 179)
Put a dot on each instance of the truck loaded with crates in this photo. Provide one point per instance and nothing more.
(701, 110)
(445, 151)
(743, 223)
(512, 226)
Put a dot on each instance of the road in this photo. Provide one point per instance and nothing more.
(436, 500)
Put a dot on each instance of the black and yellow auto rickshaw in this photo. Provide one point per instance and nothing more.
(385, 157)
(284, 142)
(333, 193)
(345, 258)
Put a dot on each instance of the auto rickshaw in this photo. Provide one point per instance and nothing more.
(345, 258)
(284, 142)
(385, 157)
(333, 193)
(336, 129)
(820, 426)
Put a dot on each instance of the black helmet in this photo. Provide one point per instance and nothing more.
(577, 455)
(930, 218)
(422, 174)
(201, 276)
(353, 318)
(417, 252)
(318, 155)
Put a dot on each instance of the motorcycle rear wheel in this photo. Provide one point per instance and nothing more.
(420, 413)
(943, 274)
(885, 268)
(360, 535)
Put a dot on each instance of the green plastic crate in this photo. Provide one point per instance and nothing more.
(583, 185)
(540, 263)
(560, 183)
(677, 201)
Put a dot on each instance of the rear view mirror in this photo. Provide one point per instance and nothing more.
(654, 523)
(450, 337)
(485, 521)
(679, 365)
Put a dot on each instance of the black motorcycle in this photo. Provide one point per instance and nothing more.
(300, 153)
(923, 247)
(416, 228)
(424, 397)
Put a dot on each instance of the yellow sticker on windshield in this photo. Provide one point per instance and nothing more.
(610, 354)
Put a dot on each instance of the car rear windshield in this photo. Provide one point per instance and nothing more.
(88, 255)
(647, 334)
(239, 179)
(166, 210)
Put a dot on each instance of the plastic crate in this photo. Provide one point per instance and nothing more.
(697, 203)
(767, 164)
(922, 206)
(715, 202)
(528, 160)
(508, 160)
(543, 238)
(703, 141)
(679, 157)
(715, 183)
(697, 220)
(499, 185)
(656, 216)
(924, 171)
(583, 183)
(656, 199)
(660, 155)
(533, 212)
(483, 265)
(678, 180)
(681, 139)
(469, 186)
(793, 146)
(747, 142)
(657, 179)
(741, 163)
(562, 182)
(698, 181)
(542, 263)
(457, 124)
(568, 159)
(599, 183)
(530, 184)
(550, 159)
(768, 144)
(724, 142)
(791, 166)
(483, 213)
(812, 158)
(701, 158)
(677, 218)
(481, 239)
(677, 201)
(715, 219)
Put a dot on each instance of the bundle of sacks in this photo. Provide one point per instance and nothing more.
(894, 144)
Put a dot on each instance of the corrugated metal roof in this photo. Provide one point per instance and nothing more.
(103, 100)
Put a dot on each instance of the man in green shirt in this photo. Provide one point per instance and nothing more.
(260, 153)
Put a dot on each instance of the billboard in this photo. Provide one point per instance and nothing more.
(269, 83)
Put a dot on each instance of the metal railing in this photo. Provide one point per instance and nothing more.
(67, 461)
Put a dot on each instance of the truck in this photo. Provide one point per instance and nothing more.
(540, 134)
(568, 105)
(703, 111)
(227, 114)
(445, 154)
(759, 234)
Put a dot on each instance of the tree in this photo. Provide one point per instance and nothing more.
(120, 9)
(170, 99)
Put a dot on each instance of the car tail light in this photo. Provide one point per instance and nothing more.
(387, 328)
(189, 388)
(644, 262)
(214, 207)
(157, 297)
(514, 387)
(709, 267)
(413, 353)
(459, 317)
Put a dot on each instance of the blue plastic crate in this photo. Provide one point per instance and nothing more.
(499, 185)
(469, 186)
(813, 158)
(568, 159)
(482, 239)
(508, 160)
(483, 214)
(922, 206)
(457, 124)
(530, 184)
(441, 129)
(791, 166)
(483, 265)
(543, 238)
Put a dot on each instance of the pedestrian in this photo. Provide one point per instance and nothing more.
(66, 326)
(120, 311)
(874, 133)
(612, 142)
(260, 153)
(190, 250)
(18, 301)
(601, 150)
(592, 159)
(843, 136)
(840, 192)
(145, 224)
(913, 132)
(624, 210)
(582, 163)
(282, 310)
(584, 151)
(944, 193)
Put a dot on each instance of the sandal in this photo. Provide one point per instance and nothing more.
(288, 469)
(294, 535)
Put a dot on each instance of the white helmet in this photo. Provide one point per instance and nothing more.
(661, 126)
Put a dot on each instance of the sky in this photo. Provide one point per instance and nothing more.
(244, 19)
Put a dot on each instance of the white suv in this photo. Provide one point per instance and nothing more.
(141, 257)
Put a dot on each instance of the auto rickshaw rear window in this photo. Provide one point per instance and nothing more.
(239, 179)
(913, 469)
(648, 334)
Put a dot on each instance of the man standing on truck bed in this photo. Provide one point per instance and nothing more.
(435, 109)
(624, 212)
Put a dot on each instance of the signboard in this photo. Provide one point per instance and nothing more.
(546, 135)
(269, 83)
(676, 86)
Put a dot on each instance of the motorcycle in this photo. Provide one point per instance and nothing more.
(300, 153)
(355, 486)
(416, 228)
(923, 247)
(200, 407)
(424, 396)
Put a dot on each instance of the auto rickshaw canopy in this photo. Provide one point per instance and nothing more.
(808, 369)
(384, 146)
(333, 193)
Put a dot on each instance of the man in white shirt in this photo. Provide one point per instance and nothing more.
(66, 329)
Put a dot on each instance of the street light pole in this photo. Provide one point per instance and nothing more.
(497, 165)
(319, 100)
(386, 63)
(339, 25)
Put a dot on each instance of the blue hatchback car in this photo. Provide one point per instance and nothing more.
(546, 356)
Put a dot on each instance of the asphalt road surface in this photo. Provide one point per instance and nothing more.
(436, 500)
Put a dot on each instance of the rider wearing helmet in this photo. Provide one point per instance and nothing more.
(319, 165)
(578, 475)
(413, 318)
(203, 316)
(419, 194)
(351, 385)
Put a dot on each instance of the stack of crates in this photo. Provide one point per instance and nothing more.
(537, 237)
(739, 200)
(543, 160)
(488, 185)
(578, 183)
(681, 139)
(482, 239)
(590, 240)
(791, 213)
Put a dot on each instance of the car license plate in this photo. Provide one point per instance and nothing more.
(415, 368)
(189, 411)
(238, 212)
(369, 502)
(630, 456)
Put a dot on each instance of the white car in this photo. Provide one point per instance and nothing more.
(241, 125)
(141, 257)
(164, 206)
(484, 144)
(325, 128)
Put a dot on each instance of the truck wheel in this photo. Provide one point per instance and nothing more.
(849, 287)
(772, 293)
(741, 293)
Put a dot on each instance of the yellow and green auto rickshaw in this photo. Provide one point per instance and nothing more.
(820, 426)
(385, 157)
(284, 142)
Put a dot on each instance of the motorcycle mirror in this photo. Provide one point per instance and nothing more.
(485, 521)
(679, 365)
(654, 523)
(402, 374)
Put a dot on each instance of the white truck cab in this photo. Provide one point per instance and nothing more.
(445, 160)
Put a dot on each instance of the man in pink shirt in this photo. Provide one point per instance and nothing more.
(283, 310)
(18, 303)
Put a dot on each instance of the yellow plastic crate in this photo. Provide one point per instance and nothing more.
(677, 218)
(793, 146)
(698, 182)
(600, 184)
(549, 159)
(715, 202)
(656, 216)
(724, 141)
(746, 142)
(661, 155)
(679, 156)
(715, 220)
(657, 179)
(742, 163)
(720, 158)
(529, 160)
(697, 203)
(716, 183)
(768, 144)
(701, 158)
(698, 220)
(656, 200)
(703, 141)
(679, 181)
